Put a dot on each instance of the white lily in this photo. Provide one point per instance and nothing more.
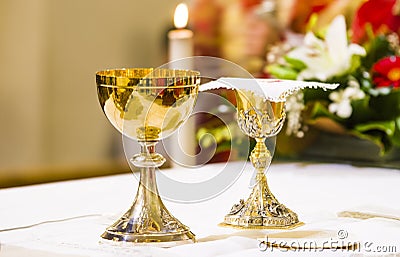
(325, 59)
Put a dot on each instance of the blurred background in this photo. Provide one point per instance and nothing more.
(52, 125)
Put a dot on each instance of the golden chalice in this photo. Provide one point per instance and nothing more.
(260, 118)
(148, 105)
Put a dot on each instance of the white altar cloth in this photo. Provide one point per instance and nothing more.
(67, 218)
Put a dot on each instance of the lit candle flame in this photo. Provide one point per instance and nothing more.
(181, 16)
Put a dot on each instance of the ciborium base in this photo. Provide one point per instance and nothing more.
(261, 210)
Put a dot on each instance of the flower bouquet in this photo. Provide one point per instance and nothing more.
(365, 60)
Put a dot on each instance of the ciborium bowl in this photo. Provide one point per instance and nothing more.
(147, 105)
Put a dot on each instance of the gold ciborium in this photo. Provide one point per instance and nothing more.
(260, 119)
(148, 105)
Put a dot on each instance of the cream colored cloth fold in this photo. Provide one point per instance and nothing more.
(368, 212)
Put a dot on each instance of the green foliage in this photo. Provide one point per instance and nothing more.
(282, 72)
(377, 48)
(375, 117)
(387, 106)
(295, 64)
(379, 132)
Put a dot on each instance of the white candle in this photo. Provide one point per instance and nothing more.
(181, 46)
(180, 39)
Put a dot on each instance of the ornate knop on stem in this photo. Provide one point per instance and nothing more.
(148, 156)
(260, 157)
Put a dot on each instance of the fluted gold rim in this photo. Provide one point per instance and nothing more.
(147, 77)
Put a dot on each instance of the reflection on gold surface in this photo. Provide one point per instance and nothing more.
(147, 104)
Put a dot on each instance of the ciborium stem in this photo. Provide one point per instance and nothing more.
(261, 209)
(260, 157)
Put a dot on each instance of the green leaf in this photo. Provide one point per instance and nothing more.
(379, 132)
(295, 63)
(375, 137)
(388, 127)
(361, 111)
(396, 134)
(378, 48)
(282, 72)
(354, 64)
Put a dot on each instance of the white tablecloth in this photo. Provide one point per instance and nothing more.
(71, 215)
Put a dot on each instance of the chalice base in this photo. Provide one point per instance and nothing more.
(148, 221)
(261, 211)
(160, 239)
(141, 226)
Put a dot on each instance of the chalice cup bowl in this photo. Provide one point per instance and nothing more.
(148, 105)
(260, 118)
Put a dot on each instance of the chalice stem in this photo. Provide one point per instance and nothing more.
(147, 195)
(148, 183)
(145, 213)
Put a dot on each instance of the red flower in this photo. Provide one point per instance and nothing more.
(249, 4)
(386, 72)
(382, 15)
